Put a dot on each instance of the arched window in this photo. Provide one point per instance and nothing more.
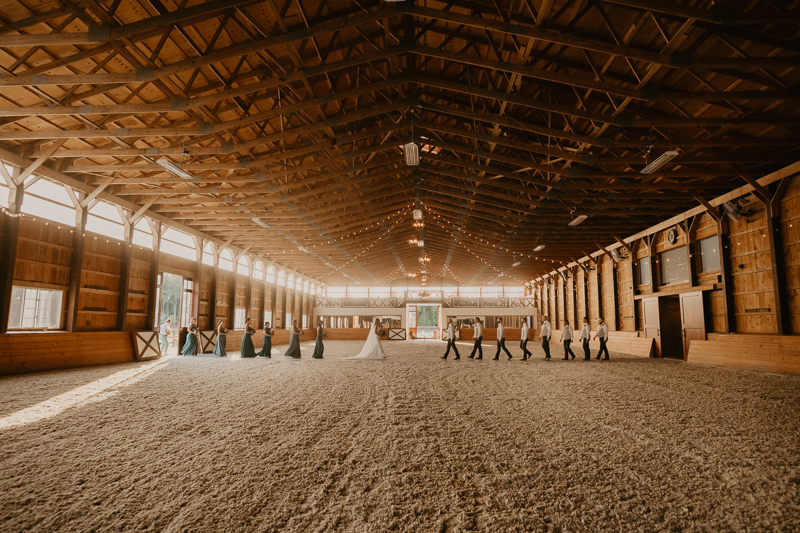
(226, 260)
(270, 274)
(290, 281)
(243, 266)
(282, 278)
(306, 286)
(258, 271)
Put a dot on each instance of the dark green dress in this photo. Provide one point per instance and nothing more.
(248, 350)
(294, 345)
(266, 348)
(222, 343)
(191, 341)
(319, 348)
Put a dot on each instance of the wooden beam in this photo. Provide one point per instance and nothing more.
(39, 161)
(152, 291)
(124, 276)
(8, 249)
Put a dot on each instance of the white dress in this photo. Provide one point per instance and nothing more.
(372, 348)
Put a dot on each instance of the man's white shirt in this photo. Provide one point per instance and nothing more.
(501, 332)
(566, 333)
(602, 331)
(478, 327)
(545, 331)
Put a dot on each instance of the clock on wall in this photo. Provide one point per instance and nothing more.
(672, 236)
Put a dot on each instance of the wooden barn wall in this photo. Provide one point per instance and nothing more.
(608, 291)
(790, 232)
(580, 292)
(594, 306)
(751, 270)
(625, 296)
(206, 301)
(139, 290)
(100, 275)
(223, 298)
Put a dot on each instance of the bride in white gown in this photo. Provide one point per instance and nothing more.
(372, 347)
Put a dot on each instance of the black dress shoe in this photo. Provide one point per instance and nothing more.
(496, 359)
(598, 357)
(443, 357)
(479, 357)
(458, 357)
(471, 356)
(566, 359)
(573, 357)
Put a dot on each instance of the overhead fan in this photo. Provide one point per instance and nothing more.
(733, 211)
(615, 255)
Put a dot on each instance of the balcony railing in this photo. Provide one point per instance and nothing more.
(400, 299)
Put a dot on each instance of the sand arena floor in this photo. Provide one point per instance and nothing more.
(412, 443)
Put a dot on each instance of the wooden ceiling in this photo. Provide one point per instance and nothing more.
(529, 113)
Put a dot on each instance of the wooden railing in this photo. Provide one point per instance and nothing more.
(400, 299)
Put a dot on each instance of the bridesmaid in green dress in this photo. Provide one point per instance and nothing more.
(248, 350)
(294, 341)
(266, 347)
(319, 348)
(191, 339)
(222, 341)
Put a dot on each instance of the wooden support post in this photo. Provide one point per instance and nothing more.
(124, 275)
(263, 294)
(232, 295)
(212, 291)
(8, 251)
(651, 253)
(777, 263)
(615, 293)
(728, 305)
(688, 228)
(197, 278)
(248, 292)
(155, 266)
(76, 265)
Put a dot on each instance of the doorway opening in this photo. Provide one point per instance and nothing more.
(174, 301)
(423, 321)
(671, 330)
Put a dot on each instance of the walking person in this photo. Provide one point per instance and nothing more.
(523, 340)
(586, 334)
(163, 335)
(294, 341)
(501, 340)
(477, 334)
(566, 338)
(266, 343)
(191, 339)
(451, 339)
(544, 336)
(220, 348)
(248, 349)
(602, 334)
(319, 348)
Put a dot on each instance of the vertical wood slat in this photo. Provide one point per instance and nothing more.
(197, 279)
(212, 291)
(124, 276)
(76, 267)
(8, 253)
(152, 312)
(777, 264)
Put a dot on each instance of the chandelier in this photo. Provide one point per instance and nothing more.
(413, 241)
(419, 224)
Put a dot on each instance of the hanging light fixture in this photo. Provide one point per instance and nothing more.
(413, 241)
(412, 149)
(421, 243)
(417, 213)
(419, 224)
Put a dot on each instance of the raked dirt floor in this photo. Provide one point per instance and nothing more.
(411, 443)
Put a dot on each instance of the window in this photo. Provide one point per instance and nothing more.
(104, 219)
(305, 321)
(674, 266)
(243, 267)
(35, 308)
(288, 324)
(357, 292)
(142, 234)
(270, 275)
(709, 254)
(514, 292)
(492, 292)
(282, 278)
(177, 243)
(290, 281)
(186, 302)
(258, 271)
(379, 292)
(469, 292)
(49, 200)
(306, 286)
(208, 254)
(336, 292)
(226, 260)
(268, 317)
(644, 271)
(238, 318)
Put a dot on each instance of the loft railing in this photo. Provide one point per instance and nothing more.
(400, 299)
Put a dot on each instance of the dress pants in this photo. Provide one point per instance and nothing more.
(451, 344)
(586, 353)
(501, 345)
(568, 350)
(546, 347)
(603, 349)
(525, 351)
(477, 346)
